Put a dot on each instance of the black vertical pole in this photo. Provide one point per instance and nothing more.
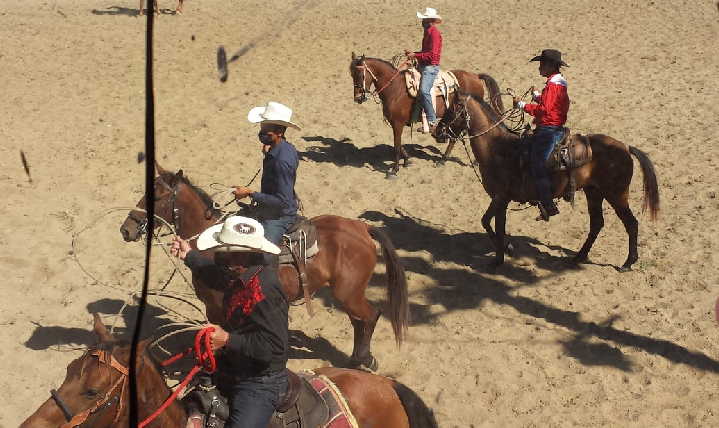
(150, 207)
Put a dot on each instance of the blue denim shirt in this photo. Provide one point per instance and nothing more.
(279, 173)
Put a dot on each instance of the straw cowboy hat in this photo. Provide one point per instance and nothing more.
(429, 13)
(274, 113)
(551, 55)
(237, 233)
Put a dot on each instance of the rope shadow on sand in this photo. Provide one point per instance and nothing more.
(343, 153)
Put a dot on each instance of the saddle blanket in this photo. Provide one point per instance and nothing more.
(340, 415)
(444, 84)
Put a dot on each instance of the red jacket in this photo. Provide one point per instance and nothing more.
(431, 47)
(552, 105)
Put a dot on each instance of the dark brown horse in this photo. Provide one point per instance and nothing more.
(390, 86)
(345, 262)
(606, 176)
(95, 393)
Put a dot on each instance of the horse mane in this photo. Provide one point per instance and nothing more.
(489, 111)
(204, 197)
(383, 61)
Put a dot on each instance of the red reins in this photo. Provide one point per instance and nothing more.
(204, 360)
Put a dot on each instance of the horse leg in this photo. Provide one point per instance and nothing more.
(398, 151)
(447, 151)
(142, 4)
(398, 144)
(596, 222)
(487, 224)
(178, 10)
(621, 207)
(363, 318)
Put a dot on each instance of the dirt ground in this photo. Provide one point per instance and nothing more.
(536, 343)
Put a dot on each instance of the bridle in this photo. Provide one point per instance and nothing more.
(362, 65)
(174, 210)
(108, 400)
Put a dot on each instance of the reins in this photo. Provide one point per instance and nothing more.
(204, 360)
(365, 68)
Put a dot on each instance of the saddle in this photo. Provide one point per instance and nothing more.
(572, 152)
(302, 239)
(444, 84)
(300, 243)
(311, 401)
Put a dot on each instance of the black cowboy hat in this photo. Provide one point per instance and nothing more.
(552, 55)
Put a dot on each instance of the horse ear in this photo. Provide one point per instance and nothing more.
(354, 57)
(100, 329)
(159, 169)
(179, 173)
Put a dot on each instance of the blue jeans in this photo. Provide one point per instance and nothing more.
(274, 229)
(429, 73)
(253, 400)
(542, 143)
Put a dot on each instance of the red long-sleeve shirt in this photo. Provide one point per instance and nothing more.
(431, 47)
(552, 105)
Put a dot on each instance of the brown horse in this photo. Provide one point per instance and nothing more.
(345, 262)
(606, 176)
(178, 9)
(397, 104)
(96, 393)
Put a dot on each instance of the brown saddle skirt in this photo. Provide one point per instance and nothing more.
(571, 152)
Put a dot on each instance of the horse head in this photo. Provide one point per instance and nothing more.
(166, 194)
(454, 121)
(94, 386)
(358, 71)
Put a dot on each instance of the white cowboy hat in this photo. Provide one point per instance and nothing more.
(274, 113)
(237, 233)
(429, 13)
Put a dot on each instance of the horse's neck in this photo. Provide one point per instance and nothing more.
(483, 145)
(154, 391)
(384, 73)
(193, 217)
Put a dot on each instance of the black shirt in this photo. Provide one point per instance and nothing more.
(256, 315)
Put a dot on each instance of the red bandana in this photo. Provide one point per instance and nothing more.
(245, 297)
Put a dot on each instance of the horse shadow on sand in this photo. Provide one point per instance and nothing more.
(593, 343)
(343, 152)
(158, 322)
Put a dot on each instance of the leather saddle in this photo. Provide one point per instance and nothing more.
(301, 238)
(307, 404)
(571, 152)
(444, 84)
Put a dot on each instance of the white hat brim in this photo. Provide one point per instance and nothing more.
(420, 15)
(255, 116)
(209, 239)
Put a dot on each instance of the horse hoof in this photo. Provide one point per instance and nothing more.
(625, 268)
(578, 260)
(391, 175)
(370, 364)
(441, 162)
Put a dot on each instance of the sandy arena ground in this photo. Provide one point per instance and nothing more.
(537, 344)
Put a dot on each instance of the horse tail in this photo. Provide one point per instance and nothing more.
(397, 284)
(495, 100)
(418, 414)
(651, 189)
